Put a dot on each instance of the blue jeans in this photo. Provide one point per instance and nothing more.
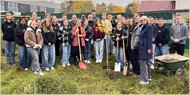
(34, 53)
(87, 50)
(10, 51)
(110, 49)
(24, 57)
(99, 49)
(120, 55)
(163, 50)
(66, 54)
(48, 56)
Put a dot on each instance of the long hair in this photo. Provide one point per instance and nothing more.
(45, 26)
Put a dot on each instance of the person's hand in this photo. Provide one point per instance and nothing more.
(123, 37)
(149, 51)
(117, 39)
(39, 46)
(49, 44)
(97, 39)
(87, 40)
(80, 35)
(160, 44)
(176, 40)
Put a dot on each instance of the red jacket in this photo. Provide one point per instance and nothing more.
(97, 33)
(75, 36)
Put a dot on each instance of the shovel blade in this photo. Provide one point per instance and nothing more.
(117, 67)
(82, 65)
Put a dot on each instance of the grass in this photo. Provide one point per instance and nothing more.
(93, 80)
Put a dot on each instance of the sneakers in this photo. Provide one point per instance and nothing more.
(52, 68)
(98, 61)
(40, 73)
(47, 69)
(26, 69)
(144, 83)
(63, 65)
(68, 64)
(87, 61)
(152, 66)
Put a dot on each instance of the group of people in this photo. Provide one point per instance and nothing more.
(40, 41)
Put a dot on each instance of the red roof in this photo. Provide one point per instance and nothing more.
(147, 6)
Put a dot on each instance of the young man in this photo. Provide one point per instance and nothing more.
(162, 39)
(107, 28)
(179, 34)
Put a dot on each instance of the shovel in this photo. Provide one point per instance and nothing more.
(81, 63)
(117, 67)
(125, 67)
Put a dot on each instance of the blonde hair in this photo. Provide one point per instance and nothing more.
(45, 27)
(144, 17)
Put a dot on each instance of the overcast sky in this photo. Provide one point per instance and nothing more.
(115, 2)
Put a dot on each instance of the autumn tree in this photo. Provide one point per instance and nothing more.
(119, 9)
(132, 7)
(101, 8)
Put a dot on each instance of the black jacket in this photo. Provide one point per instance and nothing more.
(121, 33)
(19, 34)
(89, 32)
(56, 29)
(91, 23)
(8, 30)
(163, 36)
(49, 37)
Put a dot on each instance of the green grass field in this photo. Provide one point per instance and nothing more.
(93, 80)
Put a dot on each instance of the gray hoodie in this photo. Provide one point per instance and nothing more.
(179, 31)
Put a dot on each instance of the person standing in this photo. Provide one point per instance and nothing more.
(48, 49)
(34, 41)
(145, 51)
(88, 38)
(99, 34)
(8, 38)
(162, 38)
(107, 28)
(64, 36)
(179, 34)
(24, 58)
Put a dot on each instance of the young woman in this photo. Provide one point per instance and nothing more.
(145, 50)
(78, 31)
(99, 34)
(34, 41)
(39, 26)
(48, 50)
(88, 38)
(24, 58)
(8, 38)
(64, 35)
(134, 46)
(118, 35)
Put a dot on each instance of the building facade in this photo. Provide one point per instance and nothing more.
(30, 6)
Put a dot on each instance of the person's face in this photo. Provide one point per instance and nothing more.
(137, 20)
(38, 23)
(64, 17)
(78, 23)
(98, 22)
(33, 24)
(74, 18)
(90, 17)
(66, 23)
(23, 22)
(9, 16)
(131, 23)
(54, 19)
(103, 16)
(161, 22)
(144, 21)
(86, 22)
(151, 20)
(34, 15)
(119, 25)
(47, 23)
(178, 19)
(93, 13)
(127, 21)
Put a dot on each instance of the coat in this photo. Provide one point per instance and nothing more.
(145, 37)
(75, 36)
